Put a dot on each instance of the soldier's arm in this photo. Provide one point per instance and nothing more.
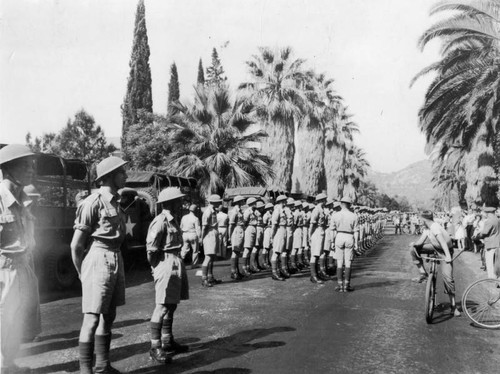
(87, 215)
(153, 241)
(78, 244)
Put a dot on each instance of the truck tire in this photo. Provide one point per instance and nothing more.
(61, 272)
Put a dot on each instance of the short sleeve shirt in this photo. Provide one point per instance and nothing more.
(249, 217)
(491, 230)
(345, 221)
(101, 216)
(209, 218)
(435, 230)
(222, 220)
(318, 216)
(16, 222)
(279, 216)
(236, 217)
(190, 223)
(164, 233)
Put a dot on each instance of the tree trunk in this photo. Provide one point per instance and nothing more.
(310, 170)
(334, 159)
(279, 146)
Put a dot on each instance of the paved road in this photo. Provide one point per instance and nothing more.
(262, 326)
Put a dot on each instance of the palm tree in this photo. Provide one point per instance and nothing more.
(310, 168)
(277, 94)
(355, 168)
(339, 131)
(461, 108)
(211, 142)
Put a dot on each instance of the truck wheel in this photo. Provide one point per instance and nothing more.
(61, 272)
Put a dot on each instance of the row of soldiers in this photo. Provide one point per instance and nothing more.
(287, 236)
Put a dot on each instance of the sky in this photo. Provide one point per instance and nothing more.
(59, 56)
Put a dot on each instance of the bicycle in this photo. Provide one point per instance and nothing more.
(430, 288)
(481, 303)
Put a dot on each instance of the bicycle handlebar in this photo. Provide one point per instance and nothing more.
(434, 258)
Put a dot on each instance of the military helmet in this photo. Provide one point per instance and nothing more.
(170, 193)
(269, 206)
(238, 199)
(108, 165)
(320, 197)
(298, 204)
(280, 198)
(346, 200)
(305, 205)
(251, 200)
(214, 199)
(260, 204)
(290, 201)
(13, 152)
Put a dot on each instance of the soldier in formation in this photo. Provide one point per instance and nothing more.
(210, 237)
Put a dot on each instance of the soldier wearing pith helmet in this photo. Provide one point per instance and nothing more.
(256, 260)
(268, 231)
(18, 312)
(237, 235)
(345, 227)
(317, 235)
(100, 229)
(210, 236)
(163, 244)
(250, 220)
(278, 221)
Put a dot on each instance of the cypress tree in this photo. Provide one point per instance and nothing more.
(138, 95)
(173, 89)
(215, 72)
(201, 75)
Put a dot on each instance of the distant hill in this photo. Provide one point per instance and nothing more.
(413, 182)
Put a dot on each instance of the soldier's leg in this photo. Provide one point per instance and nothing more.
(86, 342)
(204, 272)
(167, 337)
(274, 266)
(253, 260)
(246, 262)
(195, 245)
(156, 352)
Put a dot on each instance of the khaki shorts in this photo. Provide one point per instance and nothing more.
(317, 241)
(237, 239)
(211, 242)
(250, 237)
(297, 238)
(171, 282)
(279, 240)
(268, 232)
(344, 249)
(103, 281)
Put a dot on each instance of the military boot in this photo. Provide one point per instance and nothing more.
(276, 274)
(322, 269)
(314, 274)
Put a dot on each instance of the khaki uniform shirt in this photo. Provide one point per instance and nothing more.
(345, 221)
(164, 233)
(101, 216)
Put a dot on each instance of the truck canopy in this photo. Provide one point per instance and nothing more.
(151, 178)
(230, 193)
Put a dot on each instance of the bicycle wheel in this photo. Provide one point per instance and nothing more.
(430, 298)
(481, 303)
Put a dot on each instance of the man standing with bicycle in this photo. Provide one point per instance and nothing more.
(434, 239)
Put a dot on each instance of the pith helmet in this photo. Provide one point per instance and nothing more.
(269, 206)
(108, 165)
(298, 204)
(305, 205)
(238, 199)
(13, 152)
(329, 202)
(170, 193)
(281, 198)
(321, 197)
(259, 204)
(290, 201)
(193, 207)
(346, 200)
(336, 204)
(251, 200)
(214, 199)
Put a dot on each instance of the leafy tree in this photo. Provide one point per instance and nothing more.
(215, 72)
(212, 142)
(138, 95)
(279, 100)
(81, 138)
(355, 168)
(173, 89)
(148, 142)
(200, 80)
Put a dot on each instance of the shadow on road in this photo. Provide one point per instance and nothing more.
(213, 351)
(70, 339)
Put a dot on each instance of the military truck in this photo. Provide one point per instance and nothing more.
(57, 183)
